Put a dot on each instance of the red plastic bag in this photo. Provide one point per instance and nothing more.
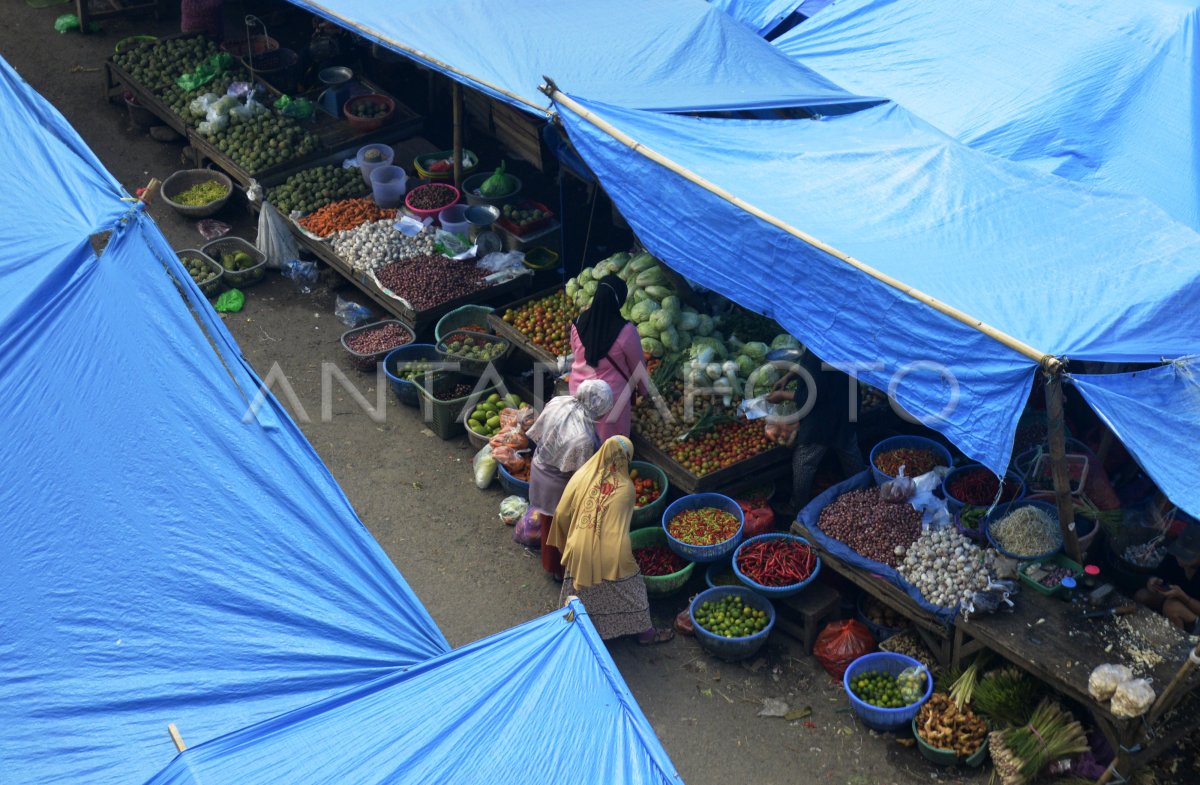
(759, 518)
(841, 643)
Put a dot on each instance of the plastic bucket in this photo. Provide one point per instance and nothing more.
(910, 442)
(875, 717)
(388, 185)
(386, 154)
(140, 116)
(454, 219)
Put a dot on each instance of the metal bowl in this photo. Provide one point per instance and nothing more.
(334, 76)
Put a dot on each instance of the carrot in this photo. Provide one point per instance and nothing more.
(342, 215)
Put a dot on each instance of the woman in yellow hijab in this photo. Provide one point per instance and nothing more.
(591, 528)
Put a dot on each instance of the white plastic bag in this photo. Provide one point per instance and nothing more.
(274, 239)
(1105, 679)
(485, 467)
(511, 509)
(1132, 698)
(898, 490)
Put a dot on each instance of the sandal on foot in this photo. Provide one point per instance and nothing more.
(657, 636)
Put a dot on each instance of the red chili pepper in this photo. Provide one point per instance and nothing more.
(657, 560)
(704, 526)
(776, 562)
(978, 487)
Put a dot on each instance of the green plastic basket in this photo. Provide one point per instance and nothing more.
(445, 417)
(651, 514)
(461, 317)
(660, 585)
(942, 757)
(1057, 560)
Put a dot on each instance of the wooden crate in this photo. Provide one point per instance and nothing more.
(757, 470)
(91, 10)
(518, 338)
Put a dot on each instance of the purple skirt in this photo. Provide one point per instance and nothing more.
(546, 488)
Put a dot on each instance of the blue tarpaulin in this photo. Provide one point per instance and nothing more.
(163, 560)
(539, 703)
(1066, 270)
(671, 55)
(1156, 415)
(810, 518)
(1104, 92)
(761, 16)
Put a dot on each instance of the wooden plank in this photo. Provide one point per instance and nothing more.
(518, 132)
(519, 339)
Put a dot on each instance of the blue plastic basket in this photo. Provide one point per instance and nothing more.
(894, 664)
(405, 390)
(512, 484)
(696, 501)
(1004, 509)
(732, 648)
(954, 505)
(715, 569)
(774, 592)
(911, 442)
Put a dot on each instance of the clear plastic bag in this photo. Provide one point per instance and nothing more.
(912, 683)
(485, 467)
(210, 229)
(350, 313)
(452, 245)
(898, 490)
(1105, 679)
(199, 106)
(512, 508)
(240, 89)
(274, 239)
(1132, 698)
(303, 275)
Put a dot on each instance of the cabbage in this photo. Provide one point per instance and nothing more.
(653, 346)
(756, 350)
(705, 327)
(651, 277)
(730, 369)
(616, 263)
(713, 371)
(671, 301)
(685, 338)
(688, 320)
(658, 292)
(696, 375)
(735, 344)
(642, 262)
(572, 287)
(670, 339)
(590, 287)
(785, 341)
(648, 330)
(661, 319)
(641, 311)
(746, 365)
(714, 349)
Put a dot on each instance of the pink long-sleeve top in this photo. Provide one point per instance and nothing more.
(617, 367)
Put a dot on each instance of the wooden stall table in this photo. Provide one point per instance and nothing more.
(1050, 640)
(933, 632)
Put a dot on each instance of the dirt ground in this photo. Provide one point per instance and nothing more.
(414, 491)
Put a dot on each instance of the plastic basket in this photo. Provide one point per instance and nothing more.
(238, 278)
(1057, 560)
(472, 184)
(715, 570)
(132, 41)
(774, 592)
(185, 179)
(511, 484)
(881, 631)
(531, 228)
(732, 648)
(367, 362)
(660, 585)
(445, 417)
(405, 390)
(942, 757)
(651, 514)
(953, 505)
(704, 553)
(213, 286)
(462, 317)
(422, 213)
(894, 664)
(912, 443)
(422, 163)
(1004, 509)
(541, 258)
(466, 364)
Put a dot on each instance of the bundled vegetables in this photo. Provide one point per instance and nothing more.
(944, 725)
(1021, 753)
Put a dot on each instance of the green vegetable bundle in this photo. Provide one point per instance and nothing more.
(499, 184)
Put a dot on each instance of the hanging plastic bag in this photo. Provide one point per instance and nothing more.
(512, 508)
(528, 530)
(350, 313)
(303, 275)
(841, 643)
(898, 490)
(274, 239)
(485, 467)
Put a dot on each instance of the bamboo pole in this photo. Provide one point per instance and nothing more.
(1057, 434)
(175, 737)
(456, 99)
(1046, 360)
(1165, 701)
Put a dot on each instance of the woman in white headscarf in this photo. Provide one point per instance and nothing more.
(565, 435)
(591, 527)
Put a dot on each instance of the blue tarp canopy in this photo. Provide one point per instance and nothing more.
(1104, 92)
(670, 55)
(1065, 270)
(541, 703)
(164, 560)
(761, 16)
